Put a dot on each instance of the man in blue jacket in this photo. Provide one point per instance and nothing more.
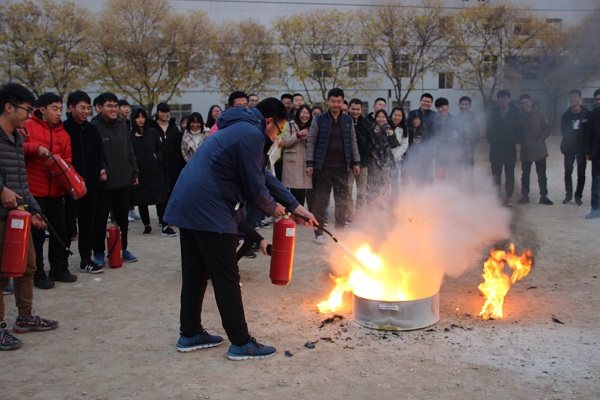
(207, 205)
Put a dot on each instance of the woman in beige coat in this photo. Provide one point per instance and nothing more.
(294, 163)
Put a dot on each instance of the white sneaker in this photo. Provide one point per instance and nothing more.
(320, 240)
(130, 219)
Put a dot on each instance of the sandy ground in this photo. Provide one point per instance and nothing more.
(118, 330)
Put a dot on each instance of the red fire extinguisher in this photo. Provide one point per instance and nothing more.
(69, 179)
(113, 244)
(282, 252)
(16, 243)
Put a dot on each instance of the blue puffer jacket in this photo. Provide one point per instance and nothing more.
(227, 170)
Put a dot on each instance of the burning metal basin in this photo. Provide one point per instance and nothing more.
(396, 315)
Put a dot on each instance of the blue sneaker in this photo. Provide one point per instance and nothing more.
(252, 349)
(202, 340)
(99, 259)
(128, 256)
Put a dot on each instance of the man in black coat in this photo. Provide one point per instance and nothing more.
(87, 153)
(504, 131)
(593, 154)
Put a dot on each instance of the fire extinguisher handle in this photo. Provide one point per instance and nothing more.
(321, 228)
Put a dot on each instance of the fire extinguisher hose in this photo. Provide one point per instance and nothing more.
(62, 171)
(346, 250)
(115, 242)
(56, 236)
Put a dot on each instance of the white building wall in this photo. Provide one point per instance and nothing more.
(267, 11)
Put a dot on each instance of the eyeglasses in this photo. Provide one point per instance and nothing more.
(28, 109)
(280, 129)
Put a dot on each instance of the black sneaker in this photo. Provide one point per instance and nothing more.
(203, 340)
(90, 266)
(168, 231)
(250, 254)
(545, 200)
(147, 230)
(41, 281)
(264, 224)
(523, 200)
(62, 276)
(7, 340)
(28, 323)
(252, 349)
(578, 201)
(567, 200)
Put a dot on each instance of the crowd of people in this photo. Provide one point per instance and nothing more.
(219, 180)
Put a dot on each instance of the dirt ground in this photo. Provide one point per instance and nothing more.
(118, 330)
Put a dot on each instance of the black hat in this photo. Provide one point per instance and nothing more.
(163, 107)
(442, 101)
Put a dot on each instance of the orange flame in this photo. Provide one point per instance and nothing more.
(374, 280)
(496, 283)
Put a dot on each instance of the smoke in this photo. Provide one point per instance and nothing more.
(430, 231)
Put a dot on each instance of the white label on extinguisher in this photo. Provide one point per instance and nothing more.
(290, 232)
(17, 224)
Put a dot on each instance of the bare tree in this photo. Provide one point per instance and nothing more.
(316, 53)
(493, 42)
(244, 58)
(160, 54)
(44, 45)
(405, 43)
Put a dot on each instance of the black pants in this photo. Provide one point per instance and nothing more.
(80, 213)
(581, 165)
(300, 195)
(509, 175)
(540, 169)
(324, 180)
(118, 199)
(54, 209)
(204, 256)
(145, 213)
(596, 184)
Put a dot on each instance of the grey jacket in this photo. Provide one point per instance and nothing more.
(536, 130)
(119, 156)
(12, 172)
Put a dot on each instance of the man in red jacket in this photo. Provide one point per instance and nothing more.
(45, 136)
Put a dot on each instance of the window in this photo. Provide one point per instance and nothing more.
(446, 80)
(172, 66)
(555, 22)
(489, 65)
(179, 110)
(405, 105)
(522, 26)
(358, 65)
(401, 65)
(322, 67)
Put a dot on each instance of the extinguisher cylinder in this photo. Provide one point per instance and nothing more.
(16, 243)
(282, 251)
(113, 244)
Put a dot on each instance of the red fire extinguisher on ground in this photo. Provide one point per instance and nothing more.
(69, 179)
(113, 244)
(16, 243)
(282, 251)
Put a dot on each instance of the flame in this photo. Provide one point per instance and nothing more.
(373, 280)
(496, 283)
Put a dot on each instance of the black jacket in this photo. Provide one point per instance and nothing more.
(593, 134)
(573, 128)
(363, 141)
(87, 151)
(173, 159)
(503, 133)
(152, 188)
(119, 156)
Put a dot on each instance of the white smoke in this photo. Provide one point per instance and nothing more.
(430, 231)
